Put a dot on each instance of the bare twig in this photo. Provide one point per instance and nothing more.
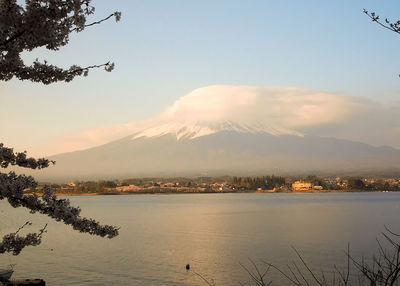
(257, 277)
(390, 26)
(212, 283)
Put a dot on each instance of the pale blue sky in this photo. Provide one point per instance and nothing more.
(165, 49)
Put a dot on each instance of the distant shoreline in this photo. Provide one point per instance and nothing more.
(223, 184)
(210, 192)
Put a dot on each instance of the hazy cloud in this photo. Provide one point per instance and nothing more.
(290, 109)
(93, 137)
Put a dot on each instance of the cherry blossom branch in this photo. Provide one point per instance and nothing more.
(15, 243)
(12, 38)
(49, 25)
(61, 210)
(8, 157)
(117, 16)
(107, 66)
(12, 188)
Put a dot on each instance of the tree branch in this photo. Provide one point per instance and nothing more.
(61, 210)
(117, 16)
(12, 38)
(107, 66)
(14, 243)
(392, 27)
(8, 157)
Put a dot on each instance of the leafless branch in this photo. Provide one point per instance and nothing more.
(257, 277)
(212, 283)
(390, 26)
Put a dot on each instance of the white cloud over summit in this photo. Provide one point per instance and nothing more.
(274, 109)
(287, 107)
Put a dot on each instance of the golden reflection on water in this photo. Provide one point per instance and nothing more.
(160, 234)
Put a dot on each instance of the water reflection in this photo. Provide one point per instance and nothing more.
(160, 234)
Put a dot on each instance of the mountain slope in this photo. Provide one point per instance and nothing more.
(223, 152)
(218, 130)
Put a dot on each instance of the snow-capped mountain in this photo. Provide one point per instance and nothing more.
(229, 130)
(194, 129)
(211, 109)
(220, 153)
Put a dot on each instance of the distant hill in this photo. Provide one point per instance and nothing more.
(220, 153)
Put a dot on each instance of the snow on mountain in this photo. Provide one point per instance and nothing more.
(246, 109)
(220, 153)
(221, 130)
(191, 130)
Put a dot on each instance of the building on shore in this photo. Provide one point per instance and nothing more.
(301, 186)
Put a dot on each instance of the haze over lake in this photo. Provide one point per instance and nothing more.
(160, 234)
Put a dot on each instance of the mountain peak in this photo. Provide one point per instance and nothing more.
(244, 109)
(194, 129)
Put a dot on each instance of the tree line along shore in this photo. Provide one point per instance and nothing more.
(224, 184)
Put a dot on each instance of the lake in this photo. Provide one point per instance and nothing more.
(214, 233)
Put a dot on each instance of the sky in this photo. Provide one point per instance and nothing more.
(164, 50)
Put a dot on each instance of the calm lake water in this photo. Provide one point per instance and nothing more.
(160, 234)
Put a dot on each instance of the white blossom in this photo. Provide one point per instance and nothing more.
(12, 188)
(41, 23)
(23, 28)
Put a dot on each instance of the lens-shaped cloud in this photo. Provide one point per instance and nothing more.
(274, 109)
(287, 107)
